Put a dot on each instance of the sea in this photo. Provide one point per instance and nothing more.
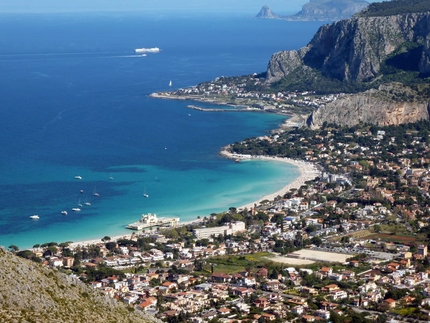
(74, 101)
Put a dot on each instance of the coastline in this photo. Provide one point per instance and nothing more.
(307, 172)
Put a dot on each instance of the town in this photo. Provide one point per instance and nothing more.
(349, 246)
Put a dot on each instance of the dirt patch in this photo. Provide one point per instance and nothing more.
(315, 255)
(291, 261)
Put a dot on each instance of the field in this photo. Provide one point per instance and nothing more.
(315, 255)
(409, 240)
(233, 264)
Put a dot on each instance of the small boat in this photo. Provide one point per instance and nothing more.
(95, 192)
(34, 217)
(111, 178)
(64, 212)
(87, 203)
(145, 195)
(76, 209)
(82, 191)
(170, 83)
(79, 203)
(78, 177)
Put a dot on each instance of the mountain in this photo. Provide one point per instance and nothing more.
(390, 104)
(319, 10)
(33, 293)
(356, 49)
(381, 59)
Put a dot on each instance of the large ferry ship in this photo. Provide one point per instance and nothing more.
(147, 50)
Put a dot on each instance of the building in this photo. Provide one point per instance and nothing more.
(227, 229)
(422, 250)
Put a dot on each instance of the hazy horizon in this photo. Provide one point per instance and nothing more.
(237, 6)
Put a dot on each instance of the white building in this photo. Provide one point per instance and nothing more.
(227, 229)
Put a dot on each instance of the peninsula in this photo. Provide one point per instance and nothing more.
(319, 10)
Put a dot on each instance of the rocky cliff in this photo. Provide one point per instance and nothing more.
(355, 49)
(390, 104)
(33, 293)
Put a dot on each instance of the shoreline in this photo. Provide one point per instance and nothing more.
(307, 172)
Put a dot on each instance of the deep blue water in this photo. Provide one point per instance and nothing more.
(74, 101)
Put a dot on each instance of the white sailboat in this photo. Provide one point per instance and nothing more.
(95, 192)
(34, 217)
(170, 83)
(86, 202)
(79, 202)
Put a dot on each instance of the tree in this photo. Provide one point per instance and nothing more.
(13, 248)
(111, 246)
(106, 238)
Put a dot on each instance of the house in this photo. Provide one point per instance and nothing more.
(223, 311)
(262, 272)
(220, 278)
(390, 302)
(272, 285)
(262, 303)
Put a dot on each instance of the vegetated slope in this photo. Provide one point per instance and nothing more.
(395, 7)
(31, 292)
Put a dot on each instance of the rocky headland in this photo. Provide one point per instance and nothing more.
(390, 104)
(319, 10)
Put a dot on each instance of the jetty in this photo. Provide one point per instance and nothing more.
(151, 221)
(232, 109)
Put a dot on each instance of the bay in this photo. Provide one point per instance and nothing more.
(74, 101)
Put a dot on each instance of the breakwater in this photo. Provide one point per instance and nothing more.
(235, 109)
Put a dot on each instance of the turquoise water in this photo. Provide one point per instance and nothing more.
(75, 102)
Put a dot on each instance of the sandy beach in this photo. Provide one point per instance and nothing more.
(127, 236)
(308, 172)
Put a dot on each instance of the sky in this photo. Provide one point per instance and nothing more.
(238, 6)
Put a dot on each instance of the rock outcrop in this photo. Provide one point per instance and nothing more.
(31, 292)
(266, 13)
(391, 104)
(355, 49)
